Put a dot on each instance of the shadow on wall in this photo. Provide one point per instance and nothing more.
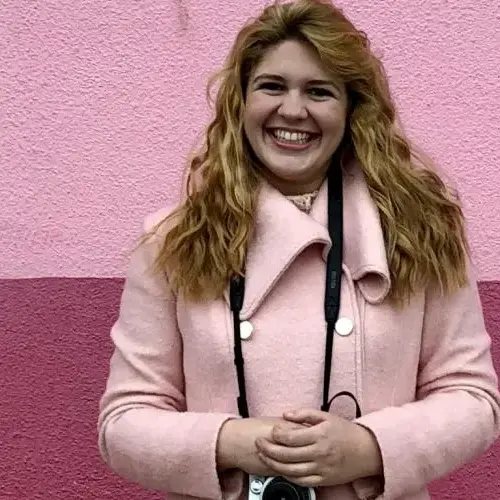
(55, 352)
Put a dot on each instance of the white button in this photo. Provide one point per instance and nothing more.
(246, 330)
(344, 326)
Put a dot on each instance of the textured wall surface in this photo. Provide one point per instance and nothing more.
(102, 101)
(55, 353)
(100, 104)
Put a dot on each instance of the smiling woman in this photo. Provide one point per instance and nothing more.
(307, 217)
(294, 117)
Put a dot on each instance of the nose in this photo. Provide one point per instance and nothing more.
(292, 106)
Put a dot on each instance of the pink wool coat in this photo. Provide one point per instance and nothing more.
(423, 375)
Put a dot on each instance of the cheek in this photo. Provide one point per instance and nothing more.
(252, 125)
(334, 121)
(257, 111)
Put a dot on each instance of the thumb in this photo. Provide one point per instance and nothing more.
(306, 416)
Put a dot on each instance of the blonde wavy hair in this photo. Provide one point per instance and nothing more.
(209, 233)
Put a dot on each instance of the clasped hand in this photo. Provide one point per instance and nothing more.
(324, 450)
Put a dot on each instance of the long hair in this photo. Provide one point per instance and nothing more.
(209, 233)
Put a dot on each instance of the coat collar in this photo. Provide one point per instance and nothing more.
(282, 232)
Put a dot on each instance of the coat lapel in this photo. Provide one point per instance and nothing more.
(364, 245)
(282, 232)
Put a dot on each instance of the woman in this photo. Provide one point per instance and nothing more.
(307, 189)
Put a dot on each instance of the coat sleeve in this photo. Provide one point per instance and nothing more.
(145, 433)
(455, 417)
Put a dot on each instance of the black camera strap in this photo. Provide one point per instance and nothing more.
(332, 299)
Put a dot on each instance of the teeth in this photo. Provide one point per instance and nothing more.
(295, 137)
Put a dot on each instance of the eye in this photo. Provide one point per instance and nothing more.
(320, 93)
(271, 86)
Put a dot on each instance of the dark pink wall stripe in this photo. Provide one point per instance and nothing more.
(55, 350)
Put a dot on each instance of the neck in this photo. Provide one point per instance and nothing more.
(293, 188)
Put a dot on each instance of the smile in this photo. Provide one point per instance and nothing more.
(295, 137)
(290, 139)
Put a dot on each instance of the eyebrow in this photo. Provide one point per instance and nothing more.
(270, 76)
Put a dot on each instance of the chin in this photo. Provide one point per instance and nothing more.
(288, 171)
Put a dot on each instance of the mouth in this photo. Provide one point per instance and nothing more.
(296, 140)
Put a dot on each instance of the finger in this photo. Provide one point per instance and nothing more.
(306, 416)
(288, 425)
(286, 454)
(312, 481)
(294, 437)
(302, 469)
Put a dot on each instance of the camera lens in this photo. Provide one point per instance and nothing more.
(281, 489)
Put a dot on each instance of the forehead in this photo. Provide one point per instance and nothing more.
(291, 59)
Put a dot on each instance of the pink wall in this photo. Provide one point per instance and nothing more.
(100, 102)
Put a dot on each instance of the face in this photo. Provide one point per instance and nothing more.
(295, 116)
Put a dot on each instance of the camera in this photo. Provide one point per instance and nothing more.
(277, 488)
